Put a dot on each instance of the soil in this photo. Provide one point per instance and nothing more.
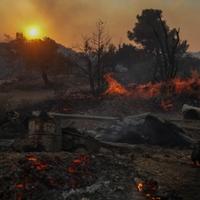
(112, 173)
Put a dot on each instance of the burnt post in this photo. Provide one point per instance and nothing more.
(45, 131)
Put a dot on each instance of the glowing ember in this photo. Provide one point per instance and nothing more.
(166, 105)
(82, 161)
(140, 187)
(40, 166)
(19, 186)
(148, 188)
(78, 170)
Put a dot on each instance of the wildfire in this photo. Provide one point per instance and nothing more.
(114, 88)
(165, 90)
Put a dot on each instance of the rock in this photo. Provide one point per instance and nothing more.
(6, 145)
(146, 129)
(191, 112)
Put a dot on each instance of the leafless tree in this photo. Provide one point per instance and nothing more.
(95, 47)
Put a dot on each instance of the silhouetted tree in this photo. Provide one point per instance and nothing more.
(41, 55)
(154, 35)
(109, 59)
(127, 54)
(95, 48)
(38, 54)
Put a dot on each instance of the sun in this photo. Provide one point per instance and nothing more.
(33, 32)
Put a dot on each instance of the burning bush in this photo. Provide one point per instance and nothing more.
(166, 91)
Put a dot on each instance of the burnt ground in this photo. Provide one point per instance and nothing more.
(66, 176)
(109, 174)
(171, 168)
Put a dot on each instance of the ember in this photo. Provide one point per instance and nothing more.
(82, 161)
(36, 163)
(140, 187)
(149, 188)
(19, 186)
(78, 170)
(166, 105)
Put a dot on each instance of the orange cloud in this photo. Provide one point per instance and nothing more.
(66, 21)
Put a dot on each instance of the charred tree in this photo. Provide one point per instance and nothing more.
(95, 49)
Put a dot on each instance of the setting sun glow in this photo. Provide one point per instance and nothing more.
(33, 32)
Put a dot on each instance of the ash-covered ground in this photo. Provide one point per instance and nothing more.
(110, 173)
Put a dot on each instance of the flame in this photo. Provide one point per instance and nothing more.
(114, 88)
(149, 189)
(178, 86)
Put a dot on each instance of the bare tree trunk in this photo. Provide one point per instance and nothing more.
(91, 79)
(45, 78)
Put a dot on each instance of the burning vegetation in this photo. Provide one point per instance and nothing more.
(176, 86)
(166, 91)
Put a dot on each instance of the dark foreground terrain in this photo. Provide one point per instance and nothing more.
(106, 175)
(135, 172)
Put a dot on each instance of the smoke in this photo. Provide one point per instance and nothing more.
(73, 19)
(68, 20)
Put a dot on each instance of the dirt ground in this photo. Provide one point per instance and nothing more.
(171, 168)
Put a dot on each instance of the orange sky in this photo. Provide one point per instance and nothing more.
(67, 21)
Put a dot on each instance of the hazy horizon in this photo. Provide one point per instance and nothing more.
(67, 21)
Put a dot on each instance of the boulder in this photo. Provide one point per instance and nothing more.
(191, 112)
(146, 129)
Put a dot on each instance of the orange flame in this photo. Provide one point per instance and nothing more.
(165, 90)
(150, 90)
(114, 88)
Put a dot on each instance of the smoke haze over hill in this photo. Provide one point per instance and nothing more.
(67, 21)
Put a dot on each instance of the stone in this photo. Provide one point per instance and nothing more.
(146, 129)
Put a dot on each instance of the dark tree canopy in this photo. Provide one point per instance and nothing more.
(154, 35)
(37, 54)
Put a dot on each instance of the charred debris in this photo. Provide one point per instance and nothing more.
(54, 160)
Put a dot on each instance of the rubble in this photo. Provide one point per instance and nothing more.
(65, 176)
(145, 129)
(11, 125)
(102, 170)
(6, 145)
